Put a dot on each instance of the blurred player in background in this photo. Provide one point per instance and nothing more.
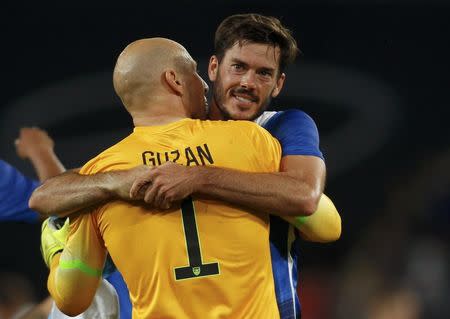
(35, 145)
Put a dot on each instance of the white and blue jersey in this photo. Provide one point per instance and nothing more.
(298, 135)
(15, 191)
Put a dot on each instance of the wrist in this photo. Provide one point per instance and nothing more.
(37, 153)
(199, 178)
(109, 184)
(206, 178)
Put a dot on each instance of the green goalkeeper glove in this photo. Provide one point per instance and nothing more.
(53, 239)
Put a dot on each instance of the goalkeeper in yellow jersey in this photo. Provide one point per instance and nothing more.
(202, 259)
(244, 81)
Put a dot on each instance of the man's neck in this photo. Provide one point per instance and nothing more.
(159, 111)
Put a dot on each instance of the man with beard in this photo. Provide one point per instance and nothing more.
(247, 71)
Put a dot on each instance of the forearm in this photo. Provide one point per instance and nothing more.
(323, 226)
(46, 164)
(275, 193)
(71, 192)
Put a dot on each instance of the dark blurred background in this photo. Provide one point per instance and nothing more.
(373, 74)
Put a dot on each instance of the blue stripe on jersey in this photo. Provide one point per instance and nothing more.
(296, 132)
(284, 267)
(15, 190)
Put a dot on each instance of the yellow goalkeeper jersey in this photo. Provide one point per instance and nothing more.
(204, 260)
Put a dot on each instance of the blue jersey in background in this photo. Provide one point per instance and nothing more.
(298, 135)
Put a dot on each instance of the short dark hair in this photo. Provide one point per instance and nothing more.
(255, 28)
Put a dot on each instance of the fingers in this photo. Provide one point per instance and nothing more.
(143, 176)
(148, 188)
(160, 200)
(165, 204)
(156, 196)
(139, 188)
(151, 193)
(159, 186)
(20, 152)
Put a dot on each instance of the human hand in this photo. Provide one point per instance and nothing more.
(164, 185)
(32, 141)
(53, 240)
(120, 182)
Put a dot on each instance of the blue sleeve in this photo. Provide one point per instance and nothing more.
(15, 190)
(296, 132)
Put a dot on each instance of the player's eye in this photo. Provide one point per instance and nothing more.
(266, 73)
(237, 67)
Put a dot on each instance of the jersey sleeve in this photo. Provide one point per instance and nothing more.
(296, 131)
(322, 226)
(15, 191)
(105, 162)
(73, 281)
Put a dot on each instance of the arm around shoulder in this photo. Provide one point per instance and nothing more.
(72, 192)
(67, 193)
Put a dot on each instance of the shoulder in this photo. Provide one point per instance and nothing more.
(265, 117)
(296, 131)
(242, 132)
(234, 127)
(109, 158)
(229, 124)
(292, 121)
(249, 127)
(287, 119)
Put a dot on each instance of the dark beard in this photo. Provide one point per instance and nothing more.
(218, 97)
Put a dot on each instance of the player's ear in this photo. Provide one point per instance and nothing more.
(279, 85)
(173, 81)
(213, 68)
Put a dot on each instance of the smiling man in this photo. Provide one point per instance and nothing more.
(247, 71)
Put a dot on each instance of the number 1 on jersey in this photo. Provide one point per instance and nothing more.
(196, 266)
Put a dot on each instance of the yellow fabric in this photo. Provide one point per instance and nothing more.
(52, 240)
(322, 226)
(148, 246)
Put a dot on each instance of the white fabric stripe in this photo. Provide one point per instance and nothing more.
(264, 118)
(291, 238)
